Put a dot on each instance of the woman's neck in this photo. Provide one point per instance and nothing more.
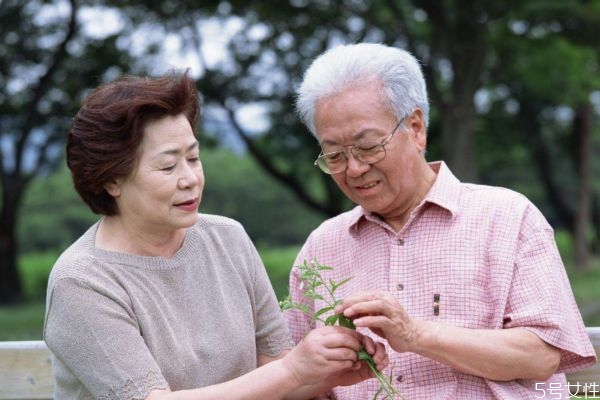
(117, 235)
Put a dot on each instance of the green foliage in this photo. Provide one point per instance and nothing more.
(34, 270)
(553, 45)
(22, 322)
(238, 188)
(278, 262)
(53, 214)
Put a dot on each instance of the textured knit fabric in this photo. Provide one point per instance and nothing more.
(120, 325)
(490, 257)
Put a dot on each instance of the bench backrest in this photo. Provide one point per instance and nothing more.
(26, 370)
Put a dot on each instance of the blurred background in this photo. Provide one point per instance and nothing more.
(515, 96)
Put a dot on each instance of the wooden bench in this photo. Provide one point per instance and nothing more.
(26, 370)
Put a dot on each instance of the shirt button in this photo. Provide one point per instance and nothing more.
(400, 378)
(400, 286)
(401, 242)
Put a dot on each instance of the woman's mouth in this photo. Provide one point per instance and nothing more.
(188, 205)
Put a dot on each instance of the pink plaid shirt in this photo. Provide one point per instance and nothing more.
(490, 256)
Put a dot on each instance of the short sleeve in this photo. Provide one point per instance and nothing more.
(95, 338)
(272, 334)
(541, 299)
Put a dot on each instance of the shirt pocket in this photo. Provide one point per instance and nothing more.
(467, 306)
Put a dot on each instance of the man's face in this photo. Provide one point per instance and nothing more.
(357, 114)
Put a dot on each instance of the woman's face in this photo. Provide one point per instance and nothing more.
(165, 189)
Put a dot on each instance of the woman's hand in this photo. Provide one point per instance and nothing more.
(324, 351)
(360, 370)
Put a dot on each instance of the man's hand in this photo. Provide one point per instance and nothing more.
(496, 354)
(384, 316)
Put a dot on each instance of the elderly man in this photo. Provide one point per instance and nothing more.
(463, 281)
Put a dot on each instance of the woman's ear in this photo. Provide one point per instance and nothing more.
(113, 188)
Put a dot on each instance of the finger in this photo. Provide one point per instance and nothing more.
(377, 323)
(338, 330)
(340, 354)
(383, 363)
(337, 336)
(348, 339)
(356, 298)
(368, 344)
(380, 356)
(333, 366)
(370, 307)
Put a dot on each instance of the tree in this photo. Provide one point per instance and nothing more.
(47, 63)
(462, 45)
(554, 75)
(51, 56)
(275, 44)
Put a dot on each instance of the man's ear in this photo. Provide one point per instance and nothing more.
(417, 129)
(113, 188)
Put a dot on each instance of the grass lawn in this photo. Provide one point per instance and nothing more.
(278, 262)
(25, 321)
(22, 322)
(585, 288)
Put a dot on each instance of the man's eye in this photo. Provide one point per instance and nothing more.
(333, 157)
(367, 147)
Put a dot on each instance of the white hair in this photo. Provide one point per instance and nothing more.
(403, 84)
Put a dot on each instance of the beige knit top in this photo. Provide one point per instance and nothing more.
(120, 325)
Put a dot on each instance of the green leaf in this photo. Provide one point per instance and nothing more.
(324, 268)
(332, 319)
(363, 355)
(322, 311)
(346, 322)
(335, 285)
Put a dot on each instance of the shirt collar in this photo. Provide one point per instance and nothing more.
(445, 193)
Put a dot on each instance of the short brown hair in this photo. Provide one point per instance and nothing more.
(105, 135)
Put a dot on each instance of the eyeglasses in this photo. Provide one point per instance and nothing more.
(366, 152)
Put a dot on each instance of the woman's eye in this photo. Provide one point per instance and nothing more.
(169, 168)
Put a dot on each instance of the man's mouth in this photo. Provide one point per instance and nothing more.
(368, 185)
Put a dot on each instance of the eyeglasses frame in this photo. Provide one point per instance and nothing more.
(383, 143)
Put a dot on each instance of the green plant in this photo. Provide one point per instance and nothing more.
(310, 274)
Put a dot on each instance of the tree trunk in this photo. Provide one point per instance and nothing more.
(460, 40)
(10, 282)
(582, 129)
(543, 161)
(458, 133)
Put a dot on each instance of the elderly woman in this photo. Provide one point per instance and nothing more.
(155, 300)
